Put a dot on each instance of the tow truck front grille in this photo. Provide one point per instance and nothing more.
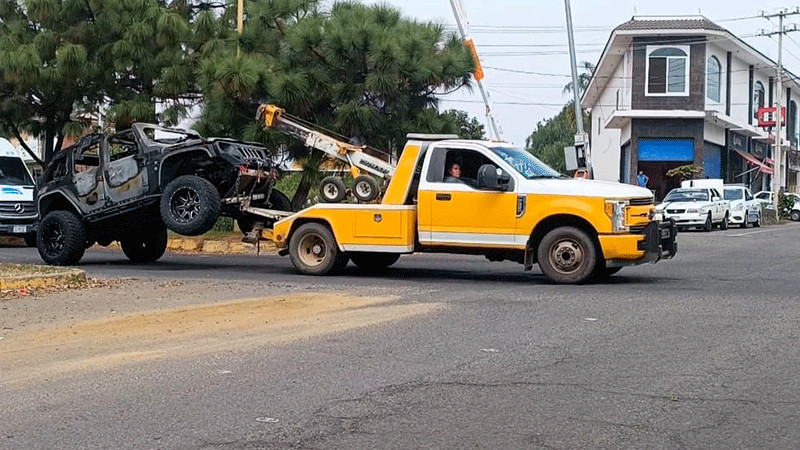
(642, 201)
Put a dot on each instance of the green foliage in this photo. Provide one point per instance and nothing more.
(547, 142)
(364, 72)
(785, 204)
(686, 172)
(223, 224)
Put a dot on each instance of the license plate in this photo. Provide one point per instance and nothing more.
(665, 233)
(19, 229)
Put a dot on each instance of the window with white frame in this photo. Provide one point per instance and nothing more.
(758, 97)
(713, 79)
(791, 122)
(667, 70)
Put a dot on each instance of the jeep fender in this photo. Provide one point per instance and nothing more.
(56, 197)
(173, 158)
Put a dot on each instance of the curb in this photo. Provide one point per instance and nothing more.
(42, 280)
(180, 245)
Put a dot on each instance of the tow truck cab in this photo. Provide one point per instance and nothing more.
(507, 205)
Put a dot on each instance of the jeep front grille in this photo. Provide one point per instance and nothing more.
(251, 153)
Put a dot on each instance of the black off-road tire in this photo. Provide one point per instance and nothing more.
(567, 255)
(30, 239)
(277, 200)
(332, 190)
(365, 188)
(313, 250)
(146, 246)
(373, 261)
(61, 239)
(190, 205)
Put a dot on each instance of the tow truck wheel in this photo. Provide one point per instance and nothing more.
(313, 250)
(365, 188)
(372, 261)
(567, 255)
(61, 240)
(332, 189)
(146, 246)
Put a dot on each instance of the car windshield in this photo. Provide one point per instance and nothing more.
(12, 172)
(693, 195)
(526, 164)
(733, 194)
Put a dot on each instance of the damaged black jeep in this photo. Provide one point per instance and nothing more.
(134, 185)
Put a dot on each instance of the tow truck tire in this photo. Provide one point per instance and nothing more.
(313, 250)
(332, 190)
(277, 200)
(190, 205)
(567, 255)
(61, 239)
(146, 246)
(373, 261)
(365, 188)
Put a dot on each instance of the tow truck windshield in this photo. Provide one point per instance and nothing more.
(526, 164)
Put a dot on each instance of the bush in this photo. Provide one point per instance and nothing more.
(223, 224)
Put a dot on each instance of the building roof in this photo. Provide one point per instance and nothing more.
(669, 23)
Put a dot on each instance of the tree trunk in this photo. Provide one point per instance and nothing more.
(307, 180)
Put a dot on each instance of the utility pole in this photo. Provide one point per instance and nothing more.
(581, 140)
(239, 24)
(777, 154)
(460, 15)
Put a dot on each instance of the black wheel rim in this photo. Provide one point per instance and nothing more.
(53, 238)
(185, 205)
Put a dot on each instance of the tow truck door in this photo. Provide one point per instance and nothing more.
(456, 213)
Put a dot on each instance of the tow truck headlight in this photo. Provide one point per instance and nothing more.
(615, 210)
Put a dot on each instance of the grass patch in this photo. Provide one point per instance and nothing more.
(16, 270)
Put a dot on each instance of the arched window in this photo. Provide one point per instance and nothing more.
(758, 97)
(713, 79)
(667, 70)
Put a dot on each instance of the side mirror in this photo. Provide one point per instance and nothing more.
(715, 199)
(488, 179)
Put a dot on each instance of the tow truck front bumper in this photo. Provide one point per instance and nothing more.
(659, 241)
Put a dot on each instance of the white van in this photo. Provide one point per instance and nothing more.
(18, 213)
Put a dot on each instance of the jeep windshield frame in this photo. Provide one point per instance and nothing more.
(160, 137)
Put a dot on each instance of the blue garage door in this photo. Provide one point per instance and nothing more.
(666, 149)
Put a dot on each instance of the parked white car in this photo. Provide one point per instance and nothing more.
(765, 198)
(695, 207)
(745, 209)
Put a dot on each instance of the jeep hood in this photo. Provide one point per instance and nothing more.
(584, 188)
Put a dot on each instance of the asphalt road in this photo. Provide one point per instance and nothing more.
(696, 352)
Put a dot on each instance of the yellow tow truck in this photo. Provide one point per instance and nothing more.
(506, 205)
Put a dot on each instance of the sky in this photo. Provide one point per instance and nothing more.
(517, 37)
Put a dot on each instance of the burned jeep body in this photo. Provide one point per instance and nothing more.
(134, 185)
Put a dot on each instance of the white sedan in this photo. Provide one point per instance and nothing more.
(765, 197)
(745, 209)
(695, 207)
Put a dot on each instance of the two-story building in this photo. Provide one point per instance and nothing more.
(674, 91)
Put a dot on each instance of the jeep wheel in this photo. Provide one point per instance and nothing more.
(146, 246)
(372, 261)
(190, 205)
(567, 255)
(61, 240)
(277, 200)
(313, 250)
